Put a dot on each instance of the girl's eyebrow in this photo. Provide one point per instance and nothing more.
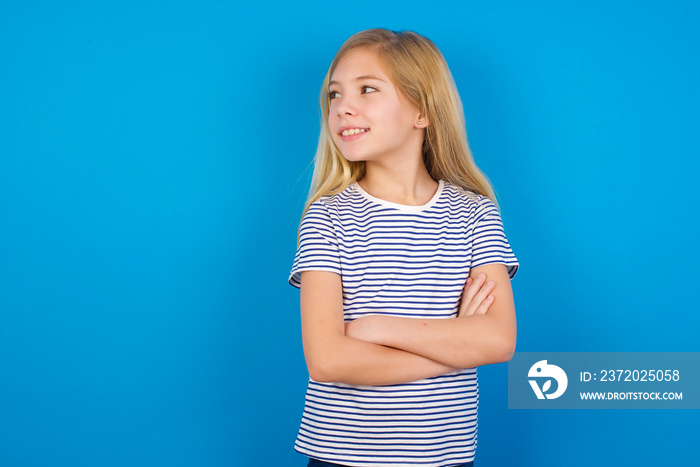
(360, 78)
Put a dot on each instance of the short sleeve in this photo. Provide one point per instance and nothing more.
(318, 244)
(489, 243)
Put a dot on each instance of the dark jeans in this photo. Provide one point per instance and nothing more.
(317, 463)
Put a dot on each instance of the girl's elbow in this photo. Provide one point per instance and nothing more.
(323, 370)
(317, 375)
(501, 350)
(506, 348)
(318, 370)
(324, 376)
(322, 360)
(509, 350)
(505, 343)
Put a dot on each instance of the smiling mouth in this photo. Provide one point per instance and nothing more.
(353, 131)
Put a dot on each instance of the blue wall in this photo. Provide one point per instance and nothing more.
(154, 159)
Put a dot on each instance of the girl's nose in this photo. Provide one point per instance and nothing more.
(346, 107)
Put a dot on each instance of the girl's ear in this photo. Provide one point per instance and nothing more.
(422, 122)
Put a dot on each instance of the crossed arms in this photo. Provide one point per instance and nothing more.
(379, 350)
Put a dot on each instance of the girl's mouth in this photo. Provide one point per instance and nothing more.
(353, 134)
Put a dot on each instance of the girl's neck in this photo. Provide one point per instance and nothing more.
(411, 186)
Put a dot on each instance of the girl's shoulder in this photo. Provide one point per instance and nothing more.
(334, 203)
(460, 195)
(338, 199)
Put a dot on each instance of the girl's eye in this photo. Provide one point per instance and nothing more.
(368, 89)
(331, 94)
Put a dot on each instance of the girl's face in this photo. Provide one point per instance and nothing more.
(369, 119)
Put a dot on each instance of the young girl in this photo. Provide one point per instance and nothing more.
(403, 264)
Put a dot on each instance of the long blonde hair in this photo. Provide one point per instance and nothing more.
(419, 71)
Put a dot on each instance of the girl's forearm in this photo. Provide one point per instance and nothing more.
(463, 342)
(332, 356)
(357, 362)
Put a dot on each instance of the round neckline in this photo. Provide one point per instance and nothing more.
(402, 207)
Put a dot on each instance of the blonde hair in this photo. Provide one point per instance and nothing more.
(419, 71)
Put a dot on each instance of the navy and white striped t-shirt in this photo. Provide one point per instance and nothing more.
(398, 260)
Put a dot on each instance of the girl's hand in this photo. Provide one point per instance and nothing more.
(476, 298)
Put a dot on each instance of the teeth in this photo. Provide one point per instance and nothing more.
(353, 131)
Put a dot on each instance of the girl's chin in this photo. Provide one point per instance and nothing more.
(353, 158)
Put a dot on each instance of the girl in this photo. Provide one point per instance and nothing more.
(402, 262)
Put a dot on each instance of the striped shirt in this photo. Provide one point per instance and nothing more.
(398, 260)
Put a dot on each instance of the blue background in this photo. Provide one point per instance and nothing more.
(154, 160)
